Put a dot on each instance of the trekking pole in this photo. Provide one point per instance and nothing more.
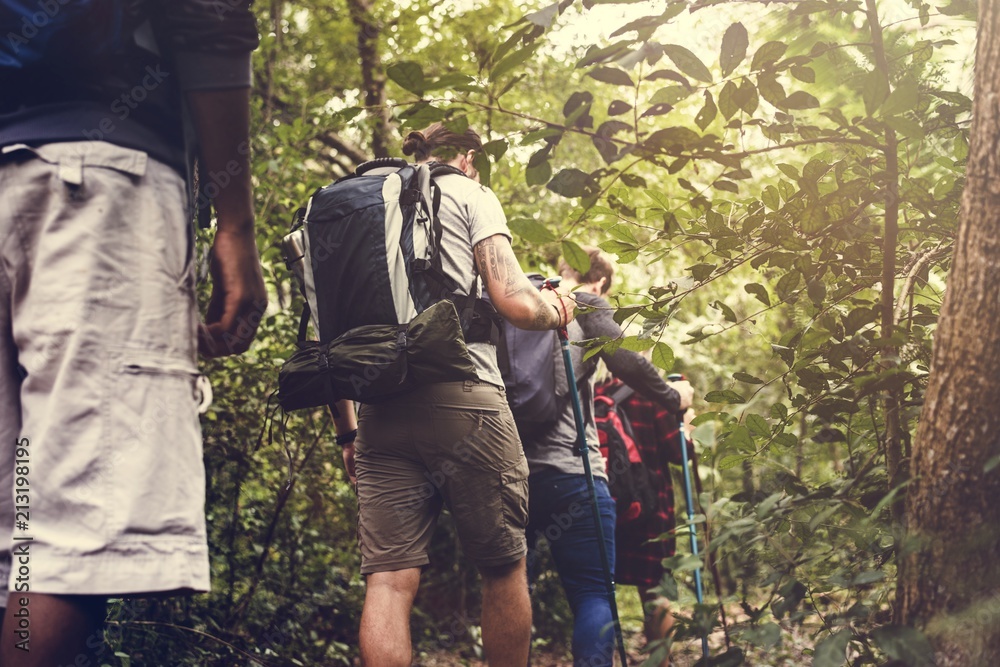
(584, 451)
(689, 499)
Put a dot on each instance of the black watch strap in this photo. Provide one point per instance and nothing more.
(347, 438)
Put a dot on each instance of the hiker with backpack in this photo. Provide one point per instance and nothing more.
(102, 487)
(558, 486)
(451, 443)
(644, 539)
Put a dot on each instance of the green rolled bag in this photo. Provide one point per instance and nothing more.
(376, 362)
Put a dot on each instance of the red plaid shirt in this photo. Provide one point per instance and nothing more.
(658, 440)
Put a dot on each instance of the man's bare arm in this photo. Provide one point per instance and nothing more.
(222, 120)
(512, 294)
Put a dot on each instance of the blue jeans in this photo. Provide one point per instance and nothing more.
(560, 510)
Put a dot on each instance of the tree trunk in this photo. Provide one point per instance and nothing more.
(372, 73)
(895, 462)
(949, 579)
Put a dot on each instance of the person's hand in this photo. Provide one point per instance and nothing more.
(238, 295)
(686, 391)
(564, 304)
(688, 426)
(348, 454)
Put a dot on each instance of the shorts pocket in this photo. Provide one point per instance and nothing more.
(514, 502)
(154, 458)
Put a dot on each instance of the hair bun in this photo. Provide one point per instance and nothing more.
(415, 142)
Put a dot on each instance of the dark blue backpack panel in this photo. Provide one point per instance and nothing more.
(59, 33)
(347, 227)
(528, 365)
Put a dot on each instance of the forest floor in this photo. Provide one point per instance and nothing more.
(794, 649)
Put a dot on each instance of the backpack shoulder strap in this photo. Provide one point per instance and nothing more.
(380, 163)
(621, 394)
(440, 169)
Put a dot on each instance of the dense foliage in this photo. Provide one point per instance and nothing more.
(780, 185)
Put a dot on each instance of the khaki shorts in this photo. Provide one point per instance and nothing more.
(453, 443)
(98, 375)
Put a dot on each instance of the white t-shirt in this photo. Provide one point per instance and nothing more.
(469, 213)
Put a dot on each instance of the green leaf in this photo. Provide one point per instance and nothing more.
(571, 183)
(577, 109)
(758, 291)
(421, 115)
(531, 231)
(544, 17)
(788, 170)
(727, 312)
(452, 80)
(787, 283)
(345, 116)
(482, 164)
(770, 89)
(800, 100)
(701, 272)
(674, 139)
(816, 291)
(496, 149)
(831, 650)
(727, 396)
(611, 75)
(740, 439)
(707, 113)
(618, 107)
(903, 98)
(734, 48)
(758, 425)
(596, 54)
(670, 95)
(905, 644)
(409, 75)
(657, 110)
(458, 125)
(661, 200)
(727, 100)
(767, 55)
(576, 256)
(687, 62)
(875, 90)
(512, 60)
(636, 344)
(746, 377)
(538, 174)
(747, 96)
(663, 357)
(910, 129)
(771, 198)
(806, 74)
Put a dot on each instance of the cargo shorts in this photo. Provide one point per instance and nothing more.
(451, 444)
(102, 484)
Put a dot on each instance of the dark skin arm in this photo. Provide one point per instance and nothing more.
(222, 122)
(513, 295)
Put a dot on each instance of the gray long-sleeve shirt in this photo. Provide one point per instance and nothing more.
(556, 447)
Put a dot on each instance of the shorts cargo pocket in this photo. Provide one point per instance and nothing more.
(514, 502)
(155, 454)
